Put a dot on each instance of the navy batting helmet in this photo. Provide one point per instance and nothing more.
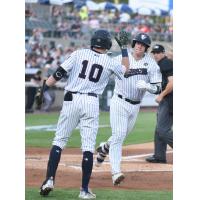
(142, 38)
(101, 39)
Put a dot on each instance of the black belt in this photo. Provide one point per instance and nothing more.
(89, 94)
(128, 100)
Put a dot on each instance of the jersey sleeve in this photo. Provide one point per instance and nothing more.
(118, 69)
(167, 68)
(155, 75)
(118, 58)
(69, 62)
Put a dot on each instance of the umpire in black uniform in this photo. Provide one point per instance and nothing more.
(163, 132)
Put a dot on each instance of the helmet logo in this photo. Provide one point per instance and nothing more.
(98, 40)
(156, 47)
(143, 37)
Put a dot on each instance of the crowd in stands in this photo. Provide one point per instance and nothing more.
(73, 23)
(40, 55)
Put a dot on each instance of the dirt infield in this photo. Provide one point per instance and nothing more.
(139, 174)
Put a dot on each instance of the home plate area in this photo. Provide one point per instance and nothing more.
(138, 173)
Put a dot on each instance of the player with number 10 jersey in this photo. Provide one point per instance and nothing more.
(89, 71)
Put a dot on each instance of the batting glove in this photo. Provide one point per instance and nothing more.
(142, 85)
(122, 39)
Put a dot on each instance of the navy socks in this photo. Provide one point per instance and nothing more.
(54, 159)
(87, 165)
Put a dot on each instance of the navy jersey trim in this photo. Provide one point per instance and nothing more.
(133, 72)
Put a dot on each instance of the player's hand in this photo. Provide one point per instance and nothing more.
(159, 98)
(122, 39)
(142, 85)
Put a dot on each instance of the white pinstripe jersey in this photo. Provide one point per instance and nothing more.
(144, 69)
(89, 71)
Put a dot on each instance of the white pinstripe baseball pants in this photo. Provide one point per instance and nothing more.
(82, 110)
(123, 116)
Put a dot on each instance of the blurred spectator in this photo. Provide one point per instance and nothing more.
(63, 29)
(83, 13)
(56, 14)
(124, 17)
(144, 29)
(31, 91)
(103, 17)
(76, 29)
(37, 37)
(94, 22)
(28, 11)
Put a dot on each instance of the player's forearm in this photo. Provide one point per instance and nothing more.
(57, 75)
(167, 90)
(125, 59)
(51, 81)
(125, 62)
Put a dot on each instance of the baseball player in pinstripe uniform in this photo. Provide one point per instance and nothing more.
(88, 73)
(143, 75)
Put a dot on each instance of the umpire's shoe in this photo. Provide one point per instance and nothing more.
(153, 159)
(102, 152)
(118, 178)
(47, 187)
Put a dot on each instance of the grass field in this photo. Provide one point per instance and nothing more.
(143, 131)
(69, 194)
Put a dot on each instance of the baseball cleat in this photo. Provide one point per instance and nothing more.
(102, 152)
(118, 178)
(46, 187)
(152, 159)
(87, 195)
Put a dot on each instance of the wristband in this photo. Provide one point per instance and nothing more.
(124, 52)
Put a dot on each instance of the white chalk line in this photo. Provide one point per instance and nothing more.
(78, 168)
(127, 159)
(53, 127)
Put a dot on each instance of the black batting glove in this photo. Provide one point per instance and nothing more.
(122, 39)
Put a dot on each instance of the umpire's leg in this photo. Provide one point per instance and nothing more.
(163, 132)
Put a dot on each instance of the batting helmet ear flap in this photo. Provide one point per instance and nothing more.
(110, 44)
(133, 43)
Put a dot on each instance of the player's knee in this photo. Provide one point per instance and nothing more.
(59, 142)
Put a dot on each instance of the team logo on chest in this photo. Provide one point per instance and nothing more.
(145, 64)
